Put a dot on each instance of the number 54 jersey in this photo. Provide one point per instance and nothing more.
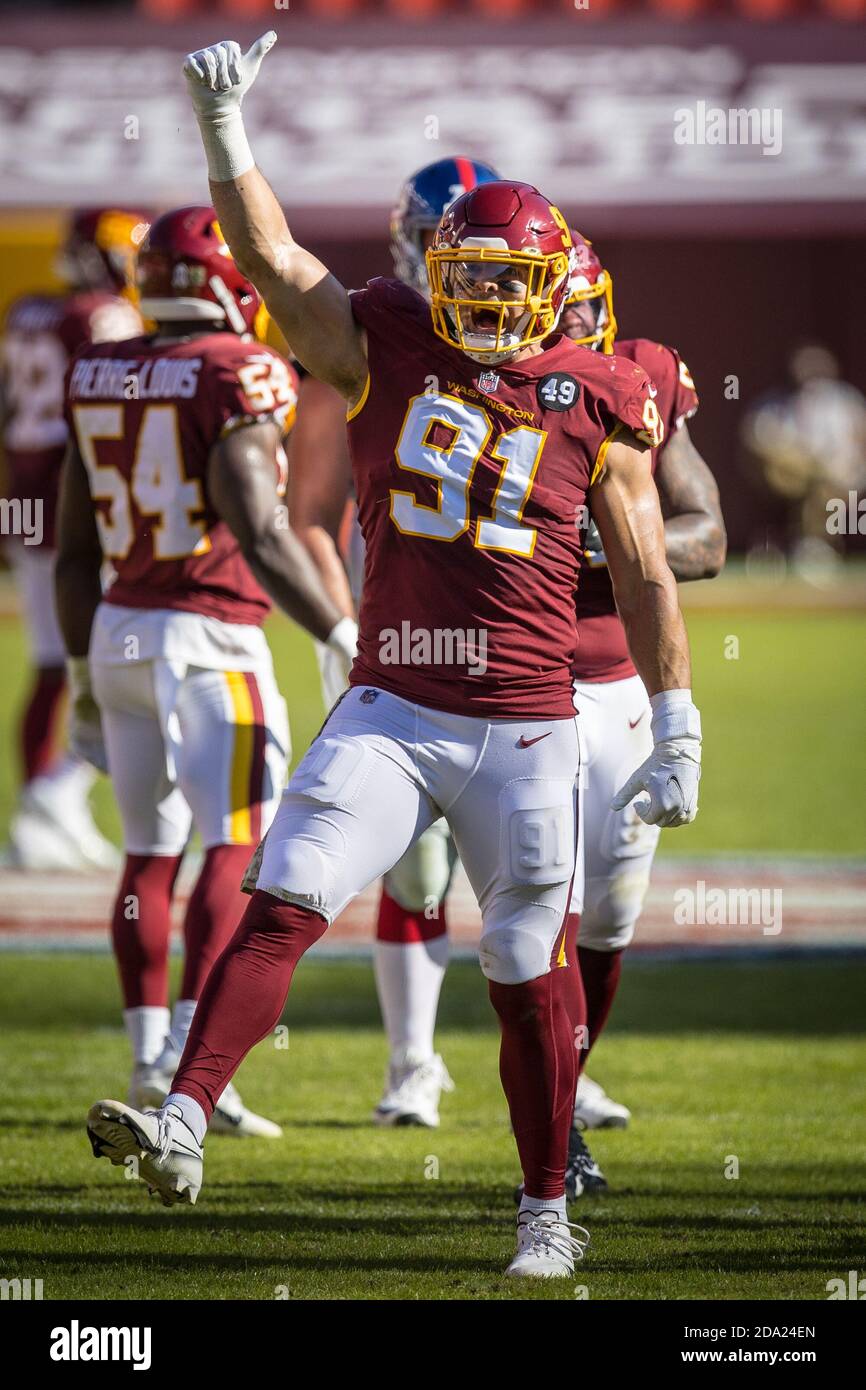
(471, 486)
(145, 414)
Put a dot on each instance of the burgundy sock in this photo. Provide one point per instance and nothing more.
(403, 927)
(215, 907)
(39, 720)
(141, 927)
(244, 994)
(600, 972)
(538, 1067)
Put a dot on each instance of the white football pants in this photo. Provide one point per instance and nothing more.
(188, 745)
(617, 847)
(383, 770)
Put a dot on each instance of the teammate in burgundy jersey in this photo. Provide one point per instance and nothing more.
(52, 827)
(618, 847)
(473, 451)
(175, 474)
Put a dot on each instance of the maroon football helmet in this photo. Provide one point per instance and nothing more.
(101, 246)
(186, 271)
(498, 270)
(588, 281)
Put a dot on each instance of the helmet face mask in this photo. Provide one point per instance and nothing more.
(589, 283)
(490, 302)
(498, 271)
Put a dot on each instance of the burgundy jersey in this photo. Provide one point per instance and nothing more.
(146, 414)
(40, 335)
(470, 482)
(602, 651)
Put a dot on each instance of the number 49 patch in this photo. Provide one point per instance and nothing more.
(558, 391)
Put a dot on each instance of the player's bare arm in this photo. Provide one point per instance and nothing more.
(695, 539)
(626, 509)
(308, 304)
(320, 482)
(242, 486)
(78, 591)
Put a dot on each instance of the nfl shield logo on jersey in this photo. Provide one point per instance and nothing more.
(488, 382)
(369, 696)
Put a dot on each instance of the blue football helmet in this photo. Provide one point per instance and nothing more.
(422, 201)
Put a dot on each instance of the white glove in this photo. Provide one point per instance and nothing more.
(219, 78)
(671, 773)
(343, 642)
(85, 722)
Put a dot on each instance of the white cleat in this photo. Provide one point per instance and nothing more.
(546, 1249)
(232, 1117)
(412, 1091)
(168, 1157)
(54, 831)
(37, 846)
(594, 1109)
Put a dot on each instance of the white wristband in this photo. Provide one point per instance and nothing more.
(674, 716)
(343, 638)
(226, 146)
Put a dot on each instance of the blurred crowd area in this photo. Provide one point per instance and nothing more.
(499, 10)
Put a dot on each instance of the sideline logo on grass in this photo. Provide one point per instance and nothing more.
(729, 907)
(77, 1343)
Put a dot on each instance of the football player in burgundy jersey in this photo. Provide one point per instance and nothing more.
(52, 827)
(174, 474)
(474, 452)
(411, 947)
(618, 846)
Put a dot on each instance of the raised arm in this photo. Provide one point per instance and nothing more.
(695, 540)
(308, 304)
(625, 507)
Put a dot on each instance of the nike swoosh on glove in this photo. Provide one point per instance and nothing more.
(670, 776)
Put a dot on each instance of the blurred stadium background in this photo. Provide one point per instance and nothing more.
(737, 257)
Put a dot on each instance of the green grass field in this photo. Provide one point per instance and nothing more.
(784, 728)
(759, 1062)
